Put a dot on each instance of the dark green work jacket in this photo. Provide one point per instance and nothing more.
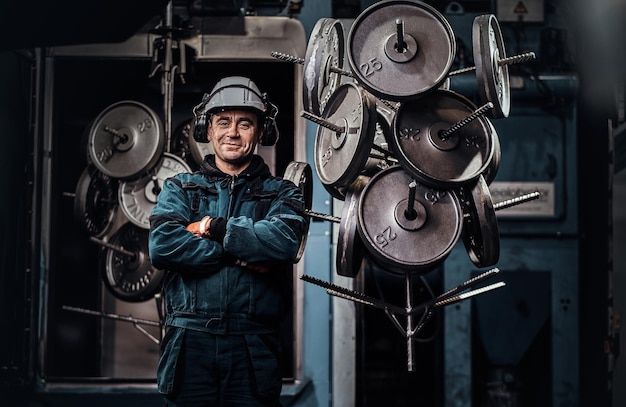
(262, 220)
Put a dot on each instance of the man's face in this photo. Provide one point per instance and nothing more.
(234, 134)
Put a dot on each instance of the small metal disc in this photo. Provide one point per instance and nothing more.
(300, 173)
(179, 144)
(126, 139)
(400, 73)
(481, 236)
(493, 78)
(130, 277)
(95, 201)
(324, 50)
(350, 247)
(407, 243)
(441, 162)
(137, 198)
(341, 156)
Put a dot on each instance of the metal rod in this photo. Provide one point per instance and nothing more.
(410, 213)
(516, 59)
(400, 43)
(112, 316)
(322, 122)
(112, 247)
(473, 116)
(322, 216)
(516, 201)
(300, 61)
(410, 320)
(461, 287)
(354, 295)
(469, 294)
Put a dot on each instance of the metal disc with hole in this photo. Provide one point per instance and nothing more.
(400, 73)
(481, 236)
(341, 156)
(130, 278)
(493, 78)
(137, 198)
(492, 169)
(380, 156)
(421, 148)
(324, 50)
(126, 139)
(95, 201)
(350, 247)
(300, 173)
(401, 240)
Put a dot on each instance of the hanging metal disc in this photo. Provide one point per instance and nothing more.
(401, 239)
(95, 201)
(493, 78)
(137, 198)
(200, 150)
(126, 139)
(300, 173)
(129, 274)
(324, 50)
(401, 70)
(492, 169)
(380, 156)
(350, 247)
(438, 161)
(179, 144)
(341, 156)
(481, 236)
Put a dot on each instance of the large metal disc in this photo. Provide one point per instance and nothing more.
(300, 173)
(341, 156)
(481, 236)
(131, 277)
(324, 50)
(493, 77)
(438, 161)
(407, 243)
(126, 139)
(95, 201)
(350, 247)
(494, 165)
(137, 198)
(407, 73)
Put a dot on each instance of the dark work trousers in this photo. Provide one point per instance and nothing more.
(227, 371)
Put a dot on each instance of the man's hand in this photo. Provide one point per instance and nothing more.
(200, 228)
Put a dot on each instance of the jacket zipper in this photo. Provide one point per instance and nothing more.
(231, 189)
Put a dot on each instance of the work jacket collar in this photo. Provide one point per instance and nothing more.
(257, 168)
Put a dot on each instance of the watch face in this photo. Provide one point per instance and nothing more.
(137, 198)
(128, 272)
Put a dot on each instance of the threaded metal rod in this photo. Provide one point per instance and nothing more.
(516, 201)
(322, 122)
(473, 116)
(300, 61)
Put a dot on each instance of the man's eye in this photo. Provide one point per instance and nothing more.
(245, 126)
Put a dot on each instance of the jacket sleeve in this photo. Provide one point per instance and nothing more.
(171, 246)
(276, 237)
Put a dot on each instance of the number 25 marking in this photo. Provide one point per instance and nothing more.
(383, 240)
(368, 68)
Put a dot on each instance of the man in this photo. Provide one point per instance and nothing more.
(227, 235)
